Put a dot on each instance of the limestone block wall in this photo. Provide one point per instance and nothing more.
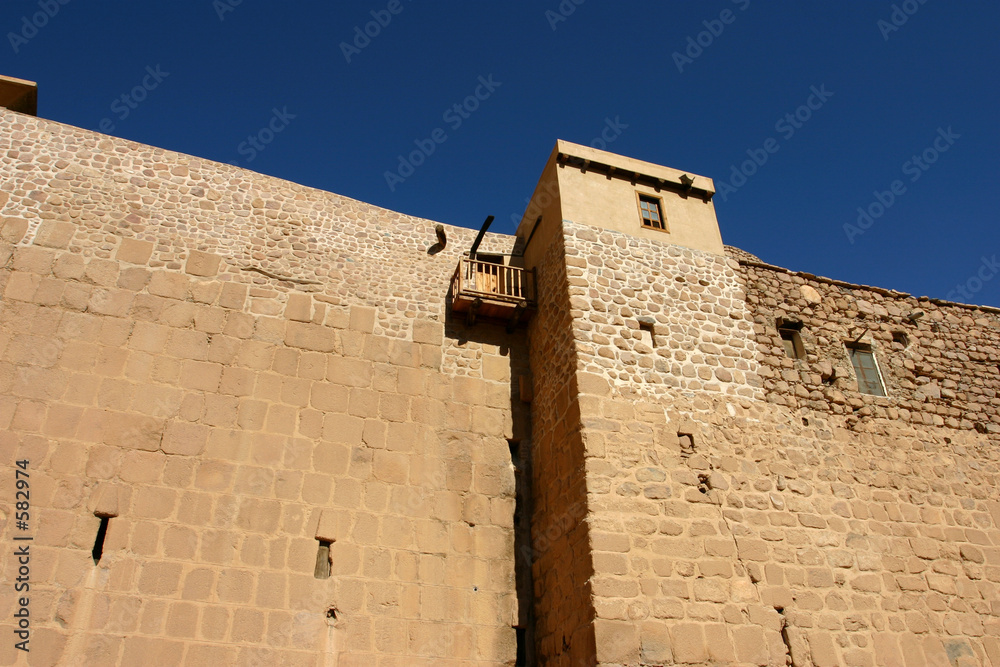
(236, 370)
(560, 551)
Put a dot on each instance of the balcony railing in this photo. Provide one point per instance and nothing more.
(492, 290)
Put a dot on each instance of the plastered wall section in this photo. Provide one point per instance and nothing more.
(611, 202)
(233, 368)
(729, 526)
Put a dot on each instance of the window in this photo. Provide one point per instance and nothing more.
(791, 339)
(651, 212)
(866, 368)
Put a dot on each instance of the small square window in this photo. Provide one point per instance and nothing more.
(791, 338)
(866, 369)
(651, 212)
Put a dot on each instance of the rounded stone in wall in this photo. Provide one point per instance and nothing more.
(810, 294)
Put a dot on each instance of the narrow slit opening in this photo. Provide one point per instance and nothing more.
(102, 533)
(647, 333)
(522, 648)
(323, 564)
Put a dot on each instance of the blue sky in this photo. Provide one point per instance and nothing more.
(703, 87)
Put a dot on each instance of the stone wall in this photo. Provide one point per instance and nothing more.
(751, 519)
(941, 369)
(233, 369)
(562, 563)
(235, 372)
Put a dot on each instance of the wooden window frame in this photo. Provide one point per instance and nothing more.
(865, 383)
(790, 331)
(659, 209)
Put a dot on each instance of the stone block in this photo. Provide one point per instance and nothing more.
(144, 651)
(233, 296)
(53, 234)
(134, 251)
(299, 307)
(496, 368)
(362, 319)
(105, 500)
(204, 264)
(617, 641)
(688, 643)
(12, 230)
(184, 439)
(750, 645)
(824, 652)
(426, 331)
(330, 526)
(169, 285)
(307, 336)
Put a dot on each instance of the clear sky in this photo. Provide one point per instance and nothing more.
(802, 113)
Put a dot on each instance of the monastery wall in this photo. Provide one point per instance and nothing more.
(237, 370)
(302, 459)
(745, 508)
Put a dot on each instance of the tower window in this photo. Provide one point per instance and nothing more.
(651, 211)
(791, 339)
(866, 369)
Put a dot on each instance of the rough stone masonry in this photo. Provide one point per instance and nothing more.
(253, 397)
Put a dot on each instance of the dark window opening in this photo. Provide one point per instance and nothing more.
(491, 259)
(866, 369)
(651, 212)
(323, 564)
(646, 331)
(102, 533)
(901, 338)
(791, 339)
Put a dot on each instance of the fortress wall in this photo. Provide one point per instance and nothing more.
(562, 561)
(945, 373)
(775, 532)
(234, 366)
(692, 301)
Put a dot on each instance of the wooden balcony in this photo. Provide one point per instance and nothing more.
(492, 291)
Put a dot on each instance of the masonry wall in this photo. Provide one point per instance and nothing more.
(233, 368)
(561, 552)
(739, 515)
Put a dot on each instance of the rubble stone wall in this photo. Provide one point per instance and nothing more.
(762, 522)
(942, 368)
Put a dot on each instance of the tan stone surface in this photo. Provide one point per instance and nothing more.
(232, 383)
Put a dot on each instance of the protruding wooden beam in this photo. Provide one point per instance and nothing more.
(470, 316)
(515, 319)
